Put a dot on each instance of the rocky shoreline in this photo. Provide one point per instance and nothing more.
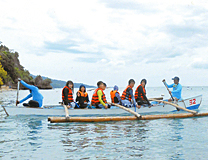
(6, 88)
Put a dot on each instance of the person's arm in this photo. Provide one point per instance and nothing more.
(118, 96)
(77, 98)
(31, 87)
(179, 88)
(142, 92)
(66, 92)
(100, 94)
(169, 86)
(132, 97)
(26, 98)
(87, 98)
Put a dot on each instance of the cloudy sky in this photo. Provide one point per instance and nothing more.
(109, 40)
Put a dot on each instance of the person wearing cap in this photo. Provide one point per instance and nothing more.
(115, 95)
(98, 97)
(140, 93)
(127, 98)
(177, 88)
(82, 97)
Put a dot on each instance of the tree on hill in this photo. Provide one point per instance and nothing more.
(11, 64)
(47, 82)
(40, 83)
(38, 80)
(3, 74)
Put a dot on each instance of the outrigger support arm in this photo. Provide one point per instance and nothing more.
(128, 110)
(175, 105)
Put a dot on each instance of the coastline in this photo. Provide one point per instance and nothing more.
(6, 88)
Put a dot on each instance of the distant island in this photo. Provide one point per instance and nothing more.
(11, 70)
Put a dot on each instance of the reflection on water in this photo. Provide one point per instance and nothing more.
(161, 139)
(176, 126)
(33, 134)
(101, 139)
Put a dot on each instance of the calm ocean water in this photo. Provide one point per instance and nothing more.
(33, 137)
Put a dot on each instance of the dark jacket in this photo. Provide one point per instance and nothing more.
(81, 99)
(140, 91)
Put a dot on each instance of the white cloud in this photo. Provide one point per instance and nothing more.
(95, 40)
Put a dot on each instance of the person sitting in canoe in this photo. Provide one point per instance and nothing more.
(82, 97)
(127, 96)
(37, 100)
(115, 95)
(67, 94)
(98, 97)
(177, 89)
(140, 93)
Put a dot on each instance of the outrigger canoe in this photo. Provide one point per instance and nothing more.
(192, 103)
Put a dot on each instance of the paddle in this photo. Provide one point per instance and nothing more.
(127, 109)
(175, 105)
(168, 90)
(170, 93)
(66, 111)
(158, 98)
(91, 89)
(96, 88)
(18, 85)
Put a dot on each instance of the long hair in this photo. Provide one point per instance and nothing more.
(70, 82)
(144, 80)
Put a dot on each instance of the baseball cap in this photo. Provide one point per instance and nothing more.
(175, 78)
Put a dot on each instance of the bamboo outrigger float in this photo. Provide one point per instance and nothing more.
(123, 118)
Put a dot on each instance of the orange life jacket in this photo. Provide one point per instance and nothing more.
(70, 94)
(114, 99)
(137, 94)
(83, 94)
(126, 95)
(95, 99)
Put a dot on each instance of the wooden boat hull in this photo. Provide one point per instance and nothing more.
(192, 103)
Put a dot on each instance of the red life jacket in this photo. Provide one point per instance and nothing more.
(83, 94)
(126, 95)
(70, 94)
(137, 94)
(95, 99)
(114, 99)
